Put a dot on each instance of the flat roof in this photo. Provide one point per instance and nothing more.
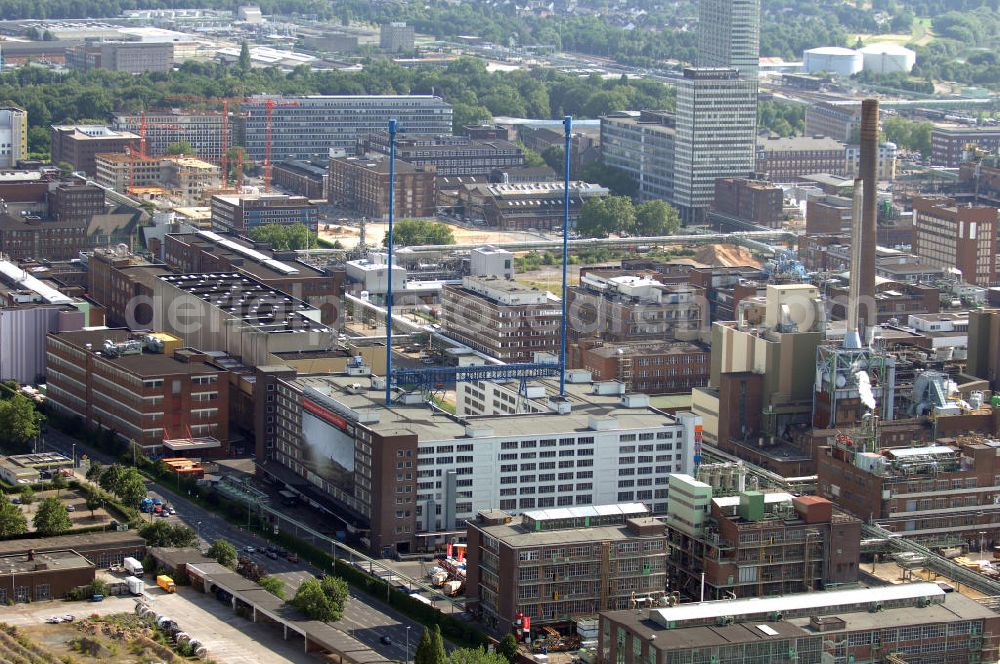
(907, 452)
(519, 535)
(81, 542)
(798, 602)
(243, 297)
(431, 425)
(49, 560)
(140, 364)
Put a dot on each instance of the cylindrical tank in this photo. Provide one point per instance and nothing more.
(888, 58)
(834, 60)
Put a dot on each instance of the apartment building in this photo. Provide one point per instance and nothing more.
(242, 213)
(449, 155)
(642, 145)
(755, 544)
(145, 388)
(396, 37)
(125, 56)
(189, 178)
(649, 367)
(75, 202)
(31, 237)
(789, 159)
(120, 171)
(502, 318)
(362, 184)
(885, 165)
(828, 215)
(841, 122)
(310, 127)
(207, 251)
(408, 476)
(910, 622)
(938, 493)
(624, 307)
(756, 202)
(13, 136)
(960, 236)
(949, 143)
(201, 130)
(557, 565)
(78, 145)
(303, 178)
(527, 205)
(122, 283)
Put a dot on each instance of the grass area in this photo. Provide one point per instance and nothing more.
(921, 35)
(123, 638)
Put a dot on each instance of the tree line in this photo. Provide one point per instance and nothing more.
(475, 93)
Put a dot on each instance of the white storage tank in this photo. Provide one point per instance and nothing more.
(834, 60)
(888, 58)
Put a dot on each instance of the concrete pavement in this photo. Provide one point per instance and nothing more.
(365, 618)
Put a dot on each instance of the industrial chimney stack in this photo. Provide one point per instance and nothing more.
(865, 272)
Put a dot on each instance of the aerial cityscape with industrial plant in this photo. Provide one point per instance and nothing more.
(481, 332)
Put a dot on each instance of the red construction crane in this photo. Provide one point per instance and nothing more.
(269, 106)
(143, 125)
(269, 116)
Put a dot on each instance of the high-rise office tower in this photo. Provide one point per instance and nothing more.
(729, 35)
(717, 105)
(716, 129)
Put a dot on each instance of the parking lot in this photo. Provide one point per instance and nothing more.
(76, 506)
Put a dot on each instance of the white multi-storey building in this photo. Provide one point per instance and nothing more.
(409, 476)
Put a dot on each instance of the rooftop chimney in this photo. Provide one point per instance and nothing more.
(865, 272)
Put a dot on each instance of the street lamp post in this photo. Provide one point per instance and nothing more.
(407, 644)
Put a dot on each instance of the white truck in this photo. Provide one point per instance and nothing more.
(132, 566)
(136, 586)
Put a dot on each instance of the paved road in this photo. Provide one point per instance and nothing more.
(365, 618)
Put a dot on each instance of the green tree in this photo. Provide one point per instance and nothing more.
(95, 471)
(58, 483)
(132, 489)
(555, 157)
(244, 61)
(531, 158)
(51, 518)
(161, 533)
(425, 653)
(273, 585)
(476, 656)
(94, 502)
(281, 236)
(322, 600)
(20, 423)
(602, 216)
(180, 148)
(410, 232)
(508, 648)
(27, 496)
(223, 552)
(656, 217)
(12, 521)
(440, 654)
(112, 478)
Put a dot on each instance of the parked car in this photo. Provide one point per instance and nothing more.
(68, 618)
(249, 549)
(70, 508)
(53, 620)
(385, 640)
(273, 555)
(97, 598)
(293, 558)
